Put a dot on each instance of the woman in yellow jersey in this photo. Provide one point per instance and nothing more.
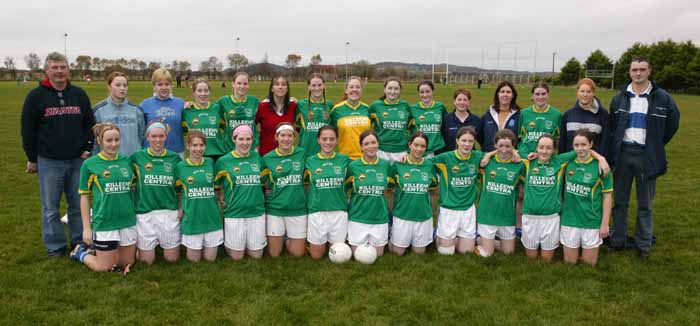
(351, 117)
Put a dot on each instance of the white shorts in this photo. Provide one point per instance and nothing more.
(208, 240)
(327, 227)
(493, 231)
(294, 226)
(158, 227)
(409, 233)
(391, 157)
(242, 233)
(453, 223)
(125, 236)
(376, 235)
(540, 231)
(572, 237)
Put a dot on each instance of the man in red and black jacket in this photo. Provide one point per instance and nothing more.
(56, 135)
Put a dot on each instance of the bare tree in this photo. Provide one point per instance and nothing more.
(316, 59)
(32, 60)
(10, 65)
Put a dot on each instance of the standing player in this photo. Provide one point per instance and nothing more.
(585, 216)
(118, 110)
(166, 108)
(156, 201)
(275, 109)
(205, 117)
(202, 230)
(537, 119)
(504, 113)
(351, 117)
(413, 208)
(587, 113)
(313, 113)
(283, 170)
(239, 108)
(461, 117)
(458, 170)
(111, 224)
(238, 176)
(368, 180)
(327, 203)
(390, 116)
(495, 214)
(426, 117)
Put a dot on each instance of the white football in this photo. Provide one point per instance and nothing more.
(339, 253)
(366, 254)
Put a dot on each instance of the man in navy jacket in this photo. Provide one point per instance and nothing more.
(643, 119)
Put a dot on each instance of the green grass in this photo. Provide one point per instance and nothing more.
(396, 290)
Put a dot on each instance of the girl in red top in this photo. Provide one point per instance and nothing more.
(275, 109)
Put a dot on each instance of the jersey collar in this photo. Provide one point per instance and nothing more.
(325, 158)
(534, 108)
(280, 154)
(359, 103)
(369, 163)
(202, 108)
(233, 98)
(193, 163)
(463, 158)
(150, 152)
(408, 160)
(102, 156)
(387, 102)
(234, 154)
(314, 102)
(589, 160)
(422, 106)
(506, 161)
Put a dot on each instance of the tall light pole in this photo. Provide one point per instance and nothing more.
(65, 45)
(237, 39)
(347, 45)
(554, 54)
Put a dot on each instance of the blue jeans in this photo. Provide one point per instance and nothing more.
(629, 169)
(55, 178)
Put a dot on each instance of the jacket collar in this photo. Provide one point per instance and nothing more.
(47, 83)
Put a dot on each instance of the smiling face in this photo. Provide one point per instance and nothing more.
(240, 86)
(417, 147)
(354, 90)
(156, 139)
(585, 94)
(545, 148)
(57, 72)
(243, 142)
(110, 142)
(504, 148)
(316, 87)
(505, 95)
(280, 87)
(540, 97)
(370, 145)
(582, 147)
(426, 94)
(163, 88)
(392, 90)
(197, 148)
(462, 103)
(285, 140)
(201, 93)
(118, 88)
(327, 140)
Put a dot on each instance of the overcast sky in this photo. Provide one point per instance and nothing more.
(461, 32)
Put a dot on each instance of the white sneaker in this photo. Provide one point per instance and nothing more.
(64, 219)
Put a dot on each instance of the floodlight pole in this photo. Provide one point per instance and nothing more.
(347, 45)
(237, 39)
(554, 54)
(65, 45)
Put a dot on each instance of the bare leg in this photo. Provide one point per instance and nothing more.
(147, 256)
(465, 245)
(103, 261)
(274, 245)
(570, 255)
(317, 251)
(235, 254)
(507, 246)
(296, 247)
(172, 255)
(127, 255)
(532, 253)
(210, 253)
(548, 255)
(194, 255)
(418, 250)
(257, 254)
(590, 256)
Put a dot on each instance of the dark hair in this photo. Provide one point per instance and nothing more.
(462, 91)
(540, 84)
(271, 95)
(584, 132)
(425, 82)
(192, 134)
(238, 74)
(554, 142)
(513, 102)
(640, 58)
(367, 133)
(308, 82)
(466, 130)
(418, 134)
(328, 127)
(506, 134)
(386, 82)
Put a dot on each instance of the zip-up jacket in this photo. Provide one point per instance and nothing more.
(489, 128)
(663, 118)
(128, 117)
(56, 124)
(595, 120)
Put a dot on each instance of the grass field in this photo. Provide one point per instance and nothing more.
(428, 289)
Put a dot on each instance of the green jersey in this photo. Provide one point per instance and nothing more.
(112, 203)
(239, 178)
(428, 119)
(285, 174)
(499, 192)
(235, 113)
(200, 208)
(412, 200)
(366, 183)
(543, 183)
(533, 124)
(583, 198)
(155, 174)
(326, 178)
(458, 178)
(311, 116)
(210, 121)
(390, 121)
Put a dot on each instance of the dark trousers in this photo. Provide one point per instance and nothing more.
(631, 168)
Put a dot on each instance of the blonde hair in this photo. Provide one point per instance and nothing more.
(160, 74)
(199, 81)
(100, 129)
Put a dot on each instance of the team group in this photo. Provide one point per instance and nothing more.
(284, 172)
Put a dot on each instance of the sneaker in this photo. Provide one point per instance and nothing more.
(78, 253)
(518, 232)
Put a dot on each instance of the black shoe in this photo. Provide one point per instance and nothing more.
(616, 248)
(643, 255)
